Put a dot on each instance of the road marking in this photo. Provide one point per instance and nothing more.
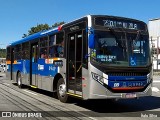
(29, 92)
(6, 84)
(155, 89)
(156, 81)
(92, 118)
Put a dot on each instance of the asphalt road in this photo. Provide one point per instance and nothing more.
(37, 104)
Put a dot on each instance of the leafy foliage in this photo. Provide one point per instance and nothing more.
(2, 53)
(57, 24)
(38, 28)
(41, 27)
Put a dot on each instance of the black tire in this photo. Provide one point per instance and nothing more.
(19, 80)
(61, 91)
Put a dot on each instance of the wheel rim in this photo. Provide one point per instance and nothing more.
(62, 90)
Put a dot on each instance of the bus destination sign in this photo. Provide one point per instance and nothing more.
(119, 23)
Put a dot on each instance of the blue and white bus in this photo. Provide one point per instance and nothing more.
(93, 57)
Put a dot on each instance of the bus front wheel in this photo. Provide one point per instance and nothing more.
(61, 91)
(19, 80)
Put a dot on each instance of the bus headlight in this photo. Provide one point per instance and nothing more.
(97, 77)
(149, 78)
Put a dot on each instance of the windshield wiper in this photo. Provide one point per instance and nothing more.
(120, 42)
(138, 34)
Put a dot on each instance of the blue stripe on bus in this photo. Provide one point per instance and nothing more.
(126, 78)
(117, 84)
(127, 81)
(39, 68)
(35, 36)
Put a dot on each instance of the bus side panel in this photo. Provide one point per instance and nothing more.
(96, 90)
(8, 74)
(14, 71)
(44, 76)
(25, 71)
(25, 78)
(46, 83)
(85, 83)
(47, 71)
(8, 70)
(39, 83)
(23, 67)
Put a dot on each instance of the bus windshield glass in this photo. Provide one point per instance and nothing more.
(119, 48)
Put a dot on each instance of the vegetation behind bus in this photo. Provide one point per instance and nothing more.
(2, 53)
(41, 27)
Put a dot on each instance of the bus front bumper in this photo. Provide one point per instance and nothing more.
(111, 95)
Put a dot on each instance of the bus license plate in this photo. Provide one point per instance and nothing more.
(130, 95)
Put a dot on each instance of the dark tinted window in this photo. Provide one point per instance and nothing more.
(56, 45)
(8, 53)
(25, 50)
(44, 47)
(17, 52)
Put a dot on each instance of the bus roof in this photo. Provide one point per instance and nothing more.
(118, 17)
(35, 36)
(55, 30)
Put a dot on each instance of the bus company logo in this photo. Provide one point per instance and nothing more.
(40, 67)
(21, 114)
(6, 114)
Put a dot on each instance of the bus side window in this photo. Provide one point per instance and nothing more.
(56, 45)
(56, 54)
(60, 44)
(17, 52)
(44, 47)
(51, 51)
(43, 53)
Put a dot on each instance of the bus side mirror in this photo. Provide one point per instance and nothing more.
(91, 41)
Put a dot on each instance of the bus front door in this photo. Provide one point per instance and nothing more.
(34, 65)
(75, 63)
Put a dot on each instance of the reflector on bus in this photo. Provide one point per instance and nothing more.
(60, 28)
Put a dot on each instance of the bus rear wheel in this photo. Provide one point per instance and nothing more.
(61, 91)
(19, 80)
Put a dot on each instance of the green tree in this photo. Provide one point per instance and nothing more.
(57, 24)
(2, 53)
(38, 28)
(41, 27)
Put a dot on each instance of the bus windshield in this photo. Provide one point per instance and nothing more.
(119, 48)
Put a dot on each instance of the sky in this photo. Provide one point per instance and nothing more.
(18, 16)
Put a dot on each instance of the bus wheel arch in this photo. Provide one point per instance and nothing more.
(55, 82)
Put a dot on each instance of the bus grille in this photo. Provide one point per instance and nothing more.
(127, 74)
